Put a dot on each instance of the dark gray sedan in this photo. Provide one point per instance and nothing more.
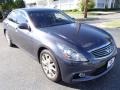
(66, 50)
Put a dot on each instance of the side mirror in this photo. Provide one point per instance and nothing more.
(73, 18)
(24, 26)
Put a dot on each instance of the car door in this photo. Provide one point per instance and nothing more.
(10, 25)
(23, 36)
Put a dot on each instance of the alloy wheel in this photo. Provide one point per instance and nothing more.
(48, 66)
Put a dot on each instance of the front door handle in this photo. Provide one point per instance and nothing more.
(6, 24)
(16, 29)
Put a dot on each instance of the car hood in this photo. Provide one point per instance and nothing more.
(81, 35)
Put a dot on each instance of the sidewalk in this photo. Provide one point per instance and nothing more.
(100, 19)
(103, 12)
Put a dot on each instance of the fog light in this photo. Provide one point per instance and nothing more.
(82, 75)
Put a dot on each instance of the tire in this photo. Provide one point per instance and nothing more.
(8, 39)
(50, 66)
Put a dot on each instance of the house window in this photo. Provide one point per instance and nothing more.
(101, 5)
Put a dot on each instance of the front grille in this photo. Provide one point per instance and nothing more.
(104, 51)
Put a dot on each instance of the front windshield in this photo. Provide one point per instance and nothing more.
(43, 19)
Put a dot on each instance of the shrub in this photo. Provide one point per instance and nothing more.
(1, 15)
(19, 4)
(8, 5)
(91, 5)
(11, 4)
(1, 12)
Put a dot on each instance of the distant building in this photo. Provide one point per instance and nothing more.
(71, 4)
(104, 3)
(59, 4)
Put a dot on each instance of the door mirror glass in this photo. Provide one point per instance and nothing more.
(73, 18)
(24, 26)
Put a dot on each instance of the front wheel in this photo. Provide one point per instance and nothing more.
(50, 65)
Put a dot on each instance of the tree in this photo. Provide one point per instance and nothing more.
(19, 3)
(86, 5)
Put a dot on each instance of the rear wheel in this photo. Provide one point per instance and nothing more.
(50, 66)
(8, 39)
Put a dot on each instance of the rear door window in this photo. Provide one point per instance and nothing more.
(12, 17)
(21, 18)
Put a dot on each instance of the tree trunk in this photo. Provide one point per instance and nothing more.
(86, 8)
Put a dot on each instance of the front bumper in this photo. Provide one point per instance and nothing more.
(70, 71)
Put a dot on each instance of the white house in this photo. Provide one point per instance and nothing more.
(59, 4)
(104, 3)
(67, 4)
(64, 4)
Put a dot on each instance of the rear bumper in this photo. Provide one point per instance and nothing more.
(70, 71)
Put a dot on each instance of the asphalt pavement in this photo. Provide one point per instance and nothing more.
(19, 71)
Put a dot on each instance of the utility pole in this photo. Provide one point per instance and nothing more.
(86, 8)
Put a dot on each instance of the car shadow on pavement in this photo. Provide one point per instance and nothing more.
(15, 46)
(110, 81)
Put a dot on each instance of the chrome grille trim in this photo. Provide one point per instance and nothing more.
(103, 51)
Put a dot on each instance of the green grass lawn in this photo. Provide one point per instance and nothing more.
(79, 14)
(112, 24)
(74, 14)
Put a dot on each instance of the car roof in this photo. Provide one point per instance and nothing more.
(37, 9)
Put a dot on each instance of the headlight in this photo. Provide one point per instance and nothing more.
(71, 54)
